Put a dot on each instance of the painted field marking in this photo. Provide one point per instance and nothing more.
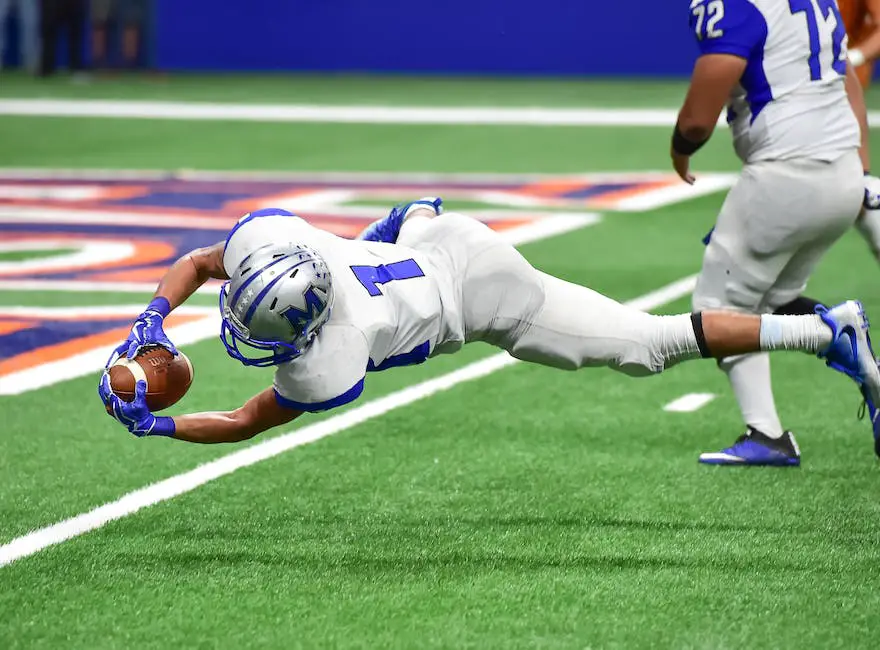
(550, 225)
(92, 360)
(169, 488)
(689, 403)
(83, 253)
(353, 114)
(87, 286)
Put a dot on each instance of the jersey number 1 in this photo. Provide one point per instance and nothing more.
(826, 9)
(372, 276)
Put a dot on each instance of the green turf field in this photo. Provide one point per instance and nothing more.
(529, 508)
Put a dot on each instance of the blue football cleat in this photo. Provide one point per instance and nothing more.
(755, 448)
(387, 229)
(851, 353)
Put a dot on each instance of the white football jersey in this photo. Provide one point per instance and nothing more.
(391, 307)
(791, 102)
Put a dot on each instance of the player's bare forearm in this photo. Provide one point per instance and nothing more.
(190, 272)
(857, 101)
(869, 45)
(713, 79)
(260, 413)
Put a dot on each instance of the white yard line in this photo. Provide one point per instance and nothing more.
(393, 179)
(689, 403)
(706, 184)
(460, 115)
(182, 483)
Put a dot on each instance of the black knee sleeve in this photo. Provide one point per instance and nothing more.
(799, 306)
(697, 322)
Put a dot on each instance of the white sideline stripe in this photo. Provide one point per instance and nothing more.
(391, 178)
(169, 488)
(550, 226)
(462, 115)
(689, 403)
(706, 184)
(336, 114)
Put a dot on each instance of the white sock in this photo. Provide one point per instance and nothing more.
(749, 376)
(805, 333)
(674, 340)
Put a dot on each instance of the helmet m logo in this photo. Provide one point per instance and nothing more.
(299, 318)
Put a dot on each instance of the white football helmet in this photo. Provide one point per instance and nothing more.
(276, 301)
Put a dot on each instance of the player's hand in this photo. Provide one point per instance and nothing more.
(434, 203)
(872, 193)
(147, 330)
(135, 415)
(682, 166)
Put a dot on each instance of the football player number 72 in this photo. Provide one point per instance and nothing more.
(708, 15)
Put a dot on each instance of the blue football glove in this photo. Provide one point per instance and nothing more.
(872, 193)
(147, 330)
(135, 415)
(433, 202)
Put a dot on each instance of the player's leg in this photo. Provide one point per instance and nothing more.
(575, 327)
(50, 26)
(775, 213)
(727, 282)
(388, 228)
(100, 17)
(4, 12)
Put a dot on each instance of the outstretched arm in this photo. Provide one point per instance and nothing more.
(713, 80)
(180, 281)
(258, 414)
(190, 272)
(869, 46)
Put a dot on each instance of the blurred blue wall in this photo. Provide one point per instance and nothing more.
(610, 37)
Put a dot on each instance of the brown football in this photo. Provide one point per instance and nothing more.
(168, 377)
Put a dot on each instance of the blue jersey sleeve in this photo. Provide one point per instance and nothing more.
(734, 27)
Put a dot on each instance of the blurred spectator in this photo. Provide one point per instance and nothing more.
(63, 16)
(28, 31)
(118, 28)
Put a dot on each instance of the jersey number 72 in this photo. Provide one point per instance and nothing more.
(708, 16)
(814, 10)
